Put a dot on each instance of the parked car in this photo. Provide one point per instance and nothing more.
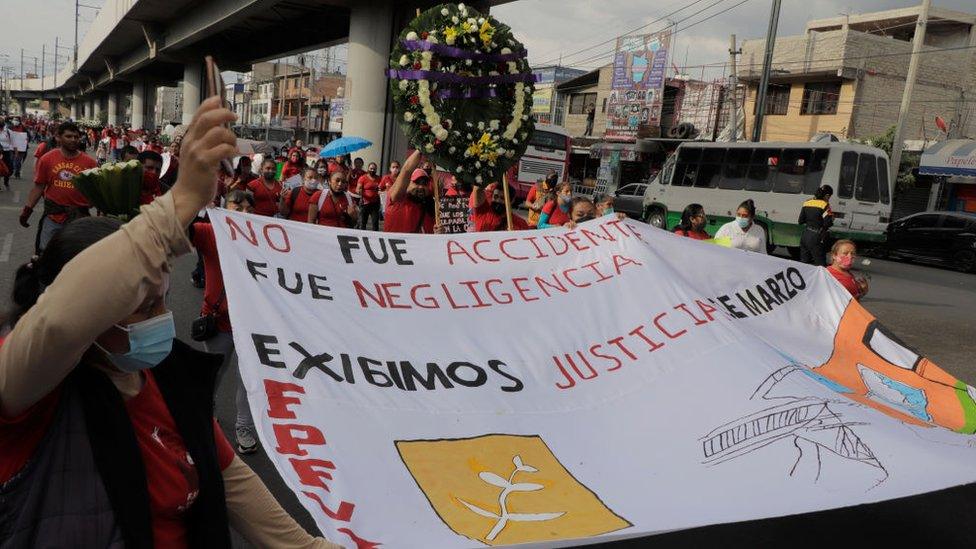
(629, 199)
(943, 237)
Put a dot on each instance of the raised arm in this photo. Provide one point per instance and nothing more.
(111, 279)
(399, 187)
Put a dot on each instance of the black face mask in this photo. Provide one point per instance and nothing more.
(585, 218)
(552, 180)
(498, 207)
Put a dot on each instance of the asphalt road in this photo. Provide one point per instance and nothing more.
(930, 308)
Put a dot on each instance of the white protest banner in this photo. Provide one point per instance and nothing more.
(543, 386)
(18, 140)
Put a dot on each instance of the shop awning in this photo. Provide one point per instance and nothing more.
(954, 157)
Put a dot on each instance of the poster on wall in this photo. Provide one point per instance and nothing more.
(336, 110)
(639, 69)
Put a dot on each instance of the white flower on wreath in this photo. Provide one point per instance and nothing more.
(404, 84)
(459, 169)
(512, 67)
(506, 51)
(404, 60)
(432, 39)
(427, 56)
(477, 164)
(494, 125)
(412, 35)
(478, 179)
(429, 147)
(467, 62)
(408, 116)
(481, 125)
(525, 118)
(455, 20)
(510, 154)
(472, 21)
(451, 150)
(444, 12)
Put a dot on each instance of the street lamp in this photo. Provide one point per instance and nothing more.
(78, 7)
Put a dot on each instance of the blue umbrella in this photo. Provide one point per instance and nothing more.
(344, 145)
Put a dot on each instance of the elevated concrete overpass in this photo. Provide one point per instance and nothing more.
(135, 45)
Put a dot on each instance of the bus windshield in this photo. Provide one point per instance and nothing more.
(547, 140)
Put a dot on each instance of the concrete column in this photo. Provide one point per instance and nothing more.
(370, 22)
(22, 103)
(192, 79)
(87, 108)
(96, 107)
(113, 109)
(150, 102)
(138, 104)
(74, 110)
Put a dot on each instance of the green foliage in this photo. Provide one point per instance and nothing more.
(114, 189)
(476, 138)
(909, 161)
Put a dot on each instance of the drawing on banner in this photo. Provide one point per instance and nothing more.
(538, 499)
(870, 367)
(812, 425)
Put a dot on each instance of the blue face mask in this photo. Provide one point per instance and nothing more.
(150, 341)
(608, 211)
(743, 222)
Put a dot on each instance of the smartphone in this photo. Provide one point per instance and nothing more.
(215, 86)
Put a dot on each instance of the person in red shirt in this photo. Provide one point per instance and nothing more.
(53, 180)
(337, 164)
(409, 208)
(693, 222)
(331, 206)
(296, 201)
(294, 165)
(151, 164)
(385, 183)
(357, 171)
(843, 253)
(489, 215)
(368, 189)
(556, 212)
(266, 190)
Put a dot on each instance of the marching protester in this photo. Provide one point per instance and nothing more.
(843, 253)
(368, 188)
(337, 164)
(816, 219)
(129, 153)
(295, 202)
(742, 231)
(213, 327)
(101, 152)
(151, 162)
(489, 215)
(357, 171)
(556, 212)
(108, 432)
(693, 221)
(53, 181)
(385, 183)
(541, 193)
(266, 189)
(242, 174)
(168, 178)
(7, 150)
(293, 166)
(409, 208)
(581, 210)
(331, 206)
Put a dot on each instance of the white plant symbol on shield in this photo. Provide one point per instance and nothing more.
(509, 486)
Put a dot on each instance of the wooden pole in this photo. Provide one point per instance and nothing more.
(437, 195)
(508, 202)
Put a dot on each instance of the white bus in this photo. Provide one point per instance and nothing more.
(779, 177)
(549, 148)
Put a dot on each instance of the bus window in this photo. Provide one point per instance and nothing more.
(866, 189)
(762, 169)
(710, 169)
(792, 171)
(848, 172)
(686, 170)
(883, 181)
(736, 168)
(815, 172)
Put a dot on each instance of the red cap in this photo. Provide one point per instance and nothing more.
(418, 174)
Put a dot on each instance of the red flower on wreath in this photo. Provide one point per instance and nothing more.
(414, 100)
(437, 142)
(425, 127)
(416, 66)
(424, 35)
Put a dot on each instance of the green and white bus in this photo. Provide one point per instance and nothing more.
(779, 177)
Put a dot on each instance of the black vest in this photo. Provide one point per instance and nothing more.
(85, 485)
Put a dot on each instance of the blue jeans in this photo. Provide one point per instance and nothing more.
(48, 230)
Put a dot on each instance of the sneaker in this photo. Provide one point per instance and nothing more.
(246, 442)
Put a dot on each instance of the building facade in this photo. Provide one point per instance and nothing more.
(846, 76)
(545, 107)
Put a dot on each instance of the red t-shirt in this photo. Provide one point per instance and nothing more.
(355, 174)
(486, 219)
(265, 199)
(299, 208)
(370, 189)
(696, 235)
(336, 167)
(386, 182)
(333, 209)
(213, 292)
(556, 214)
(170, 476)
(54, 172)
(846, 280)
(407, 216)
(41, 149)
(290, 169)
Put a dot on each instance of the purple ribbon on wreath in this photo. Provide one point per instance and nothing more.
(451, 78)
(450, 51)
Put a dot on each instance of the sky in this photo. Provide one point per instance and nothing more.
(548, 28)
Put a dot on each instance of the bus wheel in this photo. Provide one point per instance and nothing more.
(794, 252)
(965, 261)
(656, 219)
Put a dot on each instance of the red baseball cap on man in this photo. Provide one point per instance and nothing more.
(418, 174)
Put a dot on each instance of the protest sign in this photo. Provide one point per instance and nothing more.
(18, 140)
(561, 387)
(454, 214)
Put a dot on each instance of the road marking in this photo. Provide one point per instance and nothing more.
(8, 242)
(17, 208)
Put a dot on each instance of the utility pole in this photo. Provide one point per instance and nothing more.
(767, 68)
(308, 111)
(75, 66)
(906, 99)
(734, 84)
(21, 68)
